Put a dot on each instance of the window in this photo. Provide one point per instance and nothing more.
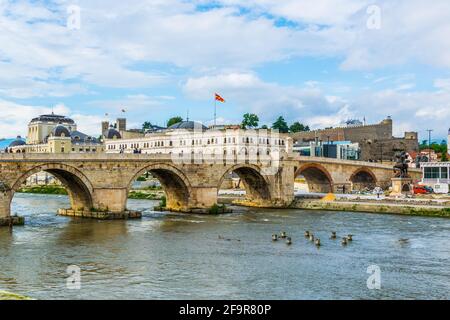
(431, 173)
(444, 173)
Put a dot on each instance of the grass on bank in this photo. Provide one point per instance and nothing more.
(150, 193)
(12, 296)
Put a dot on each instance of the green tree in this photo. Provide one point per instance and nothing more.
(146, 125)
(174, 120)
(444, 157)
(264, 127)
(250, 121)
(298, 127)
(281, 125)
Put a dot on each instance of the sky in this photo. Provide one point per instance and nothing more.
(319, 62)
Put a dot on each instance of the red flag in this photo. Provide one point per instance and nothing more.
(219, 98)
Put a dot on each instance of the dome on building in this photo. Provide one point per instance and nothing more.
(61, 131)
(187, 125)
(18, 142)
(112, 133)
(53, 118)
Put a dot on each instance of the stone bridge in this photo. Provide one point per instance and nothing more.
(101, 182)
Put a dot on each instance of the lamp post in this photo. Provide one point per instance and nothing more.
(381, 152)
(429, 144)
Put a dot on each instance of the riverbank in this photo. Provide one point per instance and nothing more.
(144, 194)
(50, 189)
(373, 207)
(386, 206)
(12, 296)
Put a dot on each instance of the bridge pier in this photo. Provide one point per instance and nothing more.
(5, 203)
(110, 199)
(202, 198)
(5, 210)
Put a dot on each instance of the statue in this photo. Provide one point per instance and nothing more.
(401, 165)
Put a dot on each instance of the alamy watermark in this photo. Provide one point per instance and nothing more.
(374, 280)
(261, 147)
(73, 282)
(374, 19)
(74, 17)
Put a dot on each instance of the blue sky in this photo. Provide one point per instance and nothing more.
(318, 62)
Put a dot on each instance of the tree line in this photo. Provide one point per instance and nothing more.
(438, 148)
(249, 121)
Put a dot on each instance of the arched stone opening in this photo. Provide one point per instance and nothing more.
(406, 188)
(250, 178)
(78, 187)
(363, 179)
(316, 177)
(174, 183)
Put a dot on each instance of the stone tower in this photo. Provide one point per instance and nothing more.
(121, 124)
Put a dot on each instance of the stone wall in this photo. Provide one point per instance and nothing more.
(376, 141)
(383, 130)
(101, 182)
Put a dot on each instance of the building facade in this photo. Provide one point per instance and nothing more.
(343, 150)
(376, 141)
(435, 173)
(55, 134)
(195, 138)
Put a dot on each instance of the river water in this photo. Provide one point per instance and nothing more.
(177, 256)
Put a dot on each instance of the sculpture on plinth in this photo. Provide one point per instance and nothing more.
(401, 183)
(401, 166)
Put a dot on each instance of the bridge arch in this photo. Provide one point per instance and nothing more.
(78, 186)
(363, 178)
(174, 182)
(317, 177)
(255, 183)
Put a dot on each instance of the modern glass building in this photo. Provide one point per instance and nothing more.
(435, 172)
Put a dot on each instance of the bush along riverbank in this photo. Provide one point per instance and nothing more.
(49, 189)
(145, 194)
(12, 296)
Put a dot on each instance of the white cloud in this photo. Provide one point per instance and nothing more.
(38, 52)
(268, 100)
(15, 117)
(412, 111)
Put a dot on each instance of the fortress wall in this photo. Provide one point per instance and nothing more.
(379, 131)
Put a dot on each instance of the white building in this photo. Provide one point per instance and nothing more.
(435, 173)
(55, 134)
(344, 150)
(195, 138)
(448, 142)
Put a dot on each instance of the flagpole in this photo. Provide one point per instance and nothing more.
(215, 110)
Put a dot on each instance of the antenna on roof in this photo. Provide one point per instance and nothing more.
(187, 115)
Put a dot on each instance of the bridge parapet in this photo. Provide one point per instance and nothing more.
(102, 181)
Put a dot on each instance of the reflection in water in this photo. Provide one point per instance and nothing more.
(189, 257)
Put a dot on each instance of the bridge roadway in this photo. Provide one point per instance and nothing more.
(101, 182)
